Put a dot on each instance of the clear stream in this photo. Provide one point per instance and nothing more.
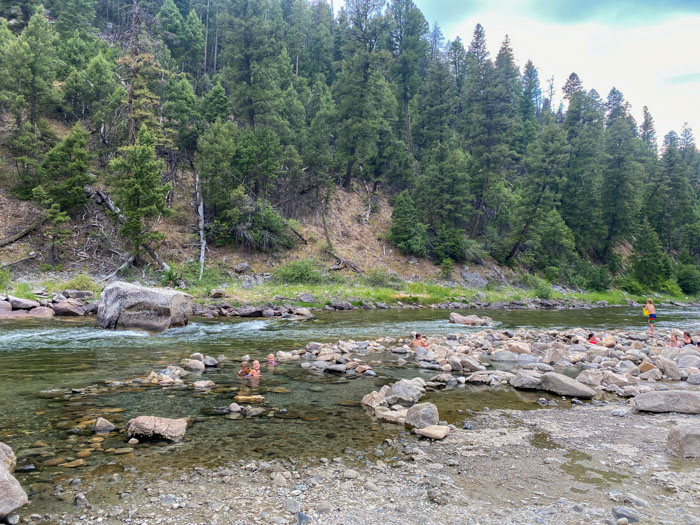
(322, 417)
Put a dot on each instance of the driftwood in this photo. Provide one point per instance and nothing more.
(17, 236)
(298, 235)
(200, 213)
(342, 262)
(10, 265)
(101, 197)
(126, 263)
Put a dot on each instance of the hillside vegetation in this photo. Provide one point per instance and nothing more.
(175, 139)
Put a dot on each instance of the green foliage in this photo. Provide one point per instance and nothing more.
(629, 284)
(407, 233)
(303, 271)
(140, 191)
(649, 265)
(380, 277)
(598, 279)
(446, 268)
(5, 279)
(23, 291)
(544, 291)
(688, 277)
(82, 281)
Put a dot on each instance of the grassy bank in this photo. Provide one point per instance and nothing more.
(377, 287)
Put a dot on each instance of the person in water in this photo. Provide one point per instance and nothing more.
(675, 343)
(592, 339)
(271, 360)
(255, 371)
(418, 341)
(687, 340)
(651, 310)
(245, 369)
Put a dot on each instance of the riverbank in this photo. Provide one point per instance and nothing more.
(511, 466)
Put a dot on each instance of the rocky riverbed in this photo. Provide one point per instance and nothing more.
(589, 464)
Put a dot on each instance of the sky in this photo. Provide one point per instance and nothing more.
(648, 49)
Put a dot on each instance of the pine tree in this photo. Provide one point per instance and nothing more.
(434, 123)
(530, 104)
(55, 218)
(649, 265)
(214, 104)
(64, 171)
(193, 43)
(407, 233)
(216, 149)
(75, 15)
(140, 190)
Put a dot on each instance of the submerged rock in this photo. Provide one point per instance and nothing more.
(157, 427)
(470, 320)
(103, 426)
(125, 305)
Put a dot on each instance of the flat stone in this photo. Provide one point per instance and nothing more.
(433, 431)
(157, 427)
(683, 401)
(565, 386)
(684, 441)
(73, 464)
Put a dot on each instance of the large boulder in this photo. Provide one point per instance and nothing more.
(470, 320)
(69, 307)
(684, 441)
(373, 400)
(404, 392)
(125, 305)
(683, 401)
(42, 312)
(22, 304)
(12, 496)
(526, 380)
(5, 306)
(157, 428)
(422, 415)
(565, 385)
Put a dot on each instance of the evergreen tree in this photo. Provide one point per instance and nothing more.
(649, 265)
(214, 104)
(75, 15)
(407, 233)
(53, 226)
(216, 149)
(530, 104)
(140, 190)
(64, 171)
(434, 124)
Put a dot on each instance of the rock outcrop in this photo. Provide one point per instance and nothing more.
(125, 305)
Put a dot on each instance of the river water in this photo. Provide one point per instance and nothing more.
(322, 417)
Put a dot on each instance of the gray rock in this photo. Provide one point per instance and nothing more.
(565, 386)
(631, 515)
(103, 426)
(12, 496)
(684, 441)
(683, 401)
(292, 505)
(689, 361)
(422, 415)
(250, 311)
(77, 294)
(157, 427)
(324, 507)
(7, 458)
(341, 305)
(473, 279)
(243, 267)
(125, 305)
(210, 362)
(306, 298)
(404, 392)
(18, 303)
(470, 320)
(69, 308)
(527, 380)
(503, 355)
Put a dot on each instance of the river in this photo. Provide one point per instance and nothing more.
(322, 416)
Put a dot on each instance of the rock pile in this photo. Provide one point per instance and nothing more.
(398, 403)
(44, 308)
(334, 358)
(225, 309)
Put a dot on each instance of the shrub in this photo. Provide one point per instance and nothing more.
(629, 284)
(544, 291)
(552, 273)
(303, 271)
(81, 281)
(381, 278)
(4, 280)
(688, 278)
(446, 268)
(670, 287)
(598, 279)
(23, 290)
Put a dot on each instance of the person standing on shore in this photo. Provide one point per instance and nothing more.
(650, 312)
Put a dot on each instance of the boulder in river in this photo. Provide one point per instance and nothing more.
(565, 385)
(422, 415)
(102, 426)
(18, 303)
(684, 441)
(125, 305)
(157, 427)
(470, 320)
(41, 312)
(683, 401)
(12, 496)
(69, 307)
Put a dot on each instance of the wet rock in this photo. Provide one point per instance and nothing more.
(193, 365)
(565, 386)
(80, 500)
(7, 458)
(203, 385)
(373, 400)
(12, 496)
(125, 305)
(250, 311)
(249, 399)
(103, 426)
(683, 401)
(5, 306)
(404, 392)
(303, 312)
(250, 411)
(42, 312)
(684, 441)
(341, 305)
(470, 320)
(422, 415)
(234, 408)
(73, 464)
(433, 431)
(157, 427)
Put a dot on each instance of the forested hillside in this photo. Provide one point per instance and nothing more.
(258, 112)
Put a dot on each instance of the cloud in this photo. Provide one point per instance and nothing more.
(614, 12)
(686, 78)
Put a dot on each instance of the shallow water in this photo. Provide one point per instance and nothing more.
(323, 414)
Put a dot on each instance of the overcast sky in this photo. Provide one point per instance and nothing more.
(647, 49)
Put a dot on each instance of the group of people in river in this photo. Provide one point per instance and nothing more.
(254, 372)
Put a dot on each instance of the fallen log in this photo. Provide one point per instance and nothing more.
(17, 236)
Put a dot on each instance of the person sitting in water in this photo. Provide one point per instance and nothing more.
(592, 339)
(418, 341)
(271, 360)
(687, 340)
(254, 373)
(675, 343)
(245, 369)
